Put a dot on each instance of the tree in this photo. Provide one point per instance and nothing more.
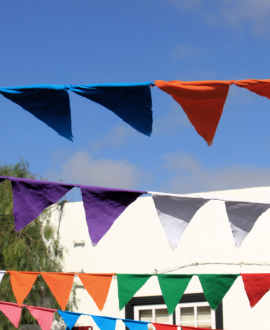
(34, 248)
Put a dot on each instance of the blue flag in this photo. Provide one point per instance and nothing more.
(130, 102)
(104, 322)
(48, 103)
(136, 325)
(69, 318)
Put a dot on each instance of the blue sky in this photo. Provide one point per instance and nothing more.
(85, 42)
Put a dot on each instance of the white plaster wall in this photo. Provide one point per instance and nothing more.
(136, 243)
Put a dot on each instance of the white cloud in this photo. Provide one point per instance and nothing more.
(189, 175)
(114, 138)
(181, 52)
(232, 12)
(82, 168)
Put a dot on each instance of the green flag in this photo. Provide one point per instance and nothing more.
(173, 288)
(128, 285)
(215, 286)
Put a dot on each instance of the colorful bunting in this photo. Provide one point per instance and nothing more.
(103, 206)
(256, 286)
(60, 284)
(97, 285)
(48, 103)
(175, 213)
(136, 325)
(70, 318)
(242, 217)
(130, 102)
(161, 326)
(12, 312)
(104, 322)
(215, 287)
(21, 283)
(128, 285)
(260, 87)
(172, 288)
(202, 101)
(31, 197)
(44, 316)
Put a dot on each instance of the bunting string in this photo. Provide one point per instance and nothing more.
(173, 286)
(202, 101)
(44, 317)
(104, 205)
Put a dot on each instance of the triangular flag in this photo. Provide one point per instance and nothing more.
(215, 287)
(31, 197)
(12, 312)
(103, 206)
(161, 326)
(260, 87)
(242, 217)
(256, 286)
(97, 285)
(48, 103)
(60, 285)
(44, 316)
(2, 179)
(193, 328)
(70, 318)
(2, 273)
(22, 283)
(175, 213)
(202, 101)
(173, 288)
(104, 322)
(136, 325)
(130, 102)
(128, 285)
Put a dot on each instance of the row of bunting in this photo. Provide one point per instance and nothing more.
(44, 317)
(104, 205)
(202, 101)
(173, 286)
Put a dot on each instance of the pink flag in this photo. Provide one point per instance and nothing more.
(44, 316)
(12, 312)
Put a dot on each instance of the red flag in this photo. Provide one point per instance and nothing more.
(97, 285)
(12, 312)
(202, 101)
(44, 316)
(21, 283)
(161, 326)
(260, 87)
(256, 286)
(60, 284)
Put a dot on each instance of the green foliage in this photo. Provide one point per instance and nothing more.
(35, 248)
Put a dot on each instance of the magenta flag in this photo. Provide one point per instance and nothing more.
(44, 316)
(31, 197)
(103, 206)
(12, 312)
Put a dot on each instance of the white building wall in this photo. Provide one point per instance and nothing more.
(136, 243)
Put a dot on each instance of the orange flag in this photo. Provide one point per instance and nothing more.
(260, 87)
(97, 285)
(202, 101)
(60, 284)
(22, 283)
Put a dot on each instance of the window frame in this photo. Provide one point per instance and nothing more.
(158, 300)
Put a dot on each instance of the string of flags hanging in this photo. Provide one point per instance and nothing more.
(44, 317)
(173, 286)
(104, 205)
(202, 101)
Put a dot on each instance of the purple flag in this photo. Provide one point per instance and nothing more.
(31, 197)
(103, 206)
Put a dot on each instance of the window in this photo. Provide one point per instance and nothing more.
(193, 310)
